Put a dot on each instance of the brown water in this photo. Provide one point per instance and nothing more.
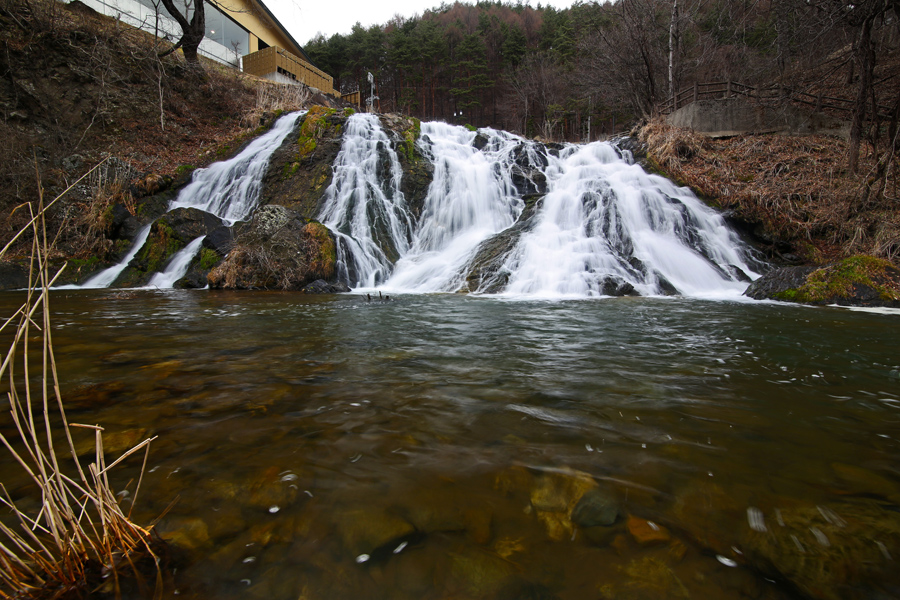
(437, 446)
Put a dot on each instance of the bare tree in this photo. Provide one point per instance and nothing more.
(192, 20)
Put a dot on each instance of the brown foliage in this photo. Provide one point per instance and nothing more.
(798, 188)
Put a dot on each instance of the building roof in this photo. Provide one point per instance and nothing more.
(298, 49)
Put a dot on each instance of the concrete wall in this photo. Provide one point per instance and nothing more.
(734, 116)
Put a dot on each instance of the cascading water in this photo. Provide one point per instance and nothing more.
(364, 206)
(178, 265)
(228, 189)
(471, 198)
(607, 227)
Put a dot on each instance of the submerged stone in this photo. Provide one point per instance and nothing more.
(555, 496)
(596, 507)
(366, 530)
(647, 532)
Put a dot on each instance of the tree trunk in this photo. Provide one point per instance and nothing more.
(865, 58)
(673, 44)
(192, 31)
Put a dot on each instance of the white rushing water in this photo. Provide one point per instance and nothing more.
(605, 226)
(364, 206)
(178, 265)
(471, 198)
(106, 277)
(228, 189)
(605, 223)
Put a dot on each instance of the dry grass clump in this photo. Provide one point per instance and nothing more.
(797, 188)
(277, 251)
(80, 537)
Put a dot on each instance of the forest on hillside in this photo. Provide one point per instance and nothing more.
(578, 73)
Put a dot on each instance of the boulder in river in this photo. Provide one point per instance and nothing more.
(168, 234)
(277, 249)
(854, 281)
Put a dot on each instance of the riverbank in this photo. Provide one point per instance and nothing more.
(794, 196)
(80, 89)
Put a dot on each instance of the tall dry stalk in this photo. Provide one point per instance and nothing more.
(80, 531)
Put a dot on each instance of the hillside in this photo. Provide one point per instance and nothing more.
(80, 88)
(793, 195)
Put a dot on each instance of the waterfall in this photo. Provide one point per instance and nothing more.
(471, 198)
(607, 227)
(228, 189)
(106, 277)
(364, 206)
(178, 265)
(604, 227)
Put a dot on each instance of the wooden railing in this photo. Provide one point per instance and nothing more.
(776, 93)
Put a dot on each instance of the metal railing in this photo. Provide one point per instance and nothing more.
(774, 93)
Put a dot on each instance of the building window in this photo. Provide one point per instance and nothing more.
(220, 28)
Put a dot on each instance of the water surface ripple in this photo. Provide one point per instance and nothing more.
(303, 433)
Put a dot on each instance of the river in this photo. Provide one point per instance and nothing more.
(436, 446)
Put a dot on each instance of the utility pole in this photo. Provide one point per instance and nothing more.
(370, 101)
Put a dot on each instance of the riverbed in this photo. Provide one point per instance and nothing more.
(453, 446)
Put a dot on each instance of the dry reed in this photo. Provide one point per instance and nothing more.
(80, 534)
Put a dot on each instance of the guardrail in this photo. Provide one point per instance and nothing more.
(774, 93)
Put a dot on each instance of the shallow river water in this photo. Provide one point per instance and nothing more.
(450, 446)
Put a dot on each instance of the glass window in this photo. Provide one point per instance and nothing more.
(219, 27)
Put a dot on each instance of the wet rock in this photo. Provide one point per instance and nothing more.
(13, 276)
(616, 286)
(778, 281)
(168, 234)
(277, 249)
(631, 145)
(481, 141)
(220, 240)
(320, 286)
(854, 281)
(647, 533)
(598, 507)
(300, 170)
(554, 498)
(366, 530)
(478, 572)
(487, 273)
(832, 552)
(600, 536)
(186, 532)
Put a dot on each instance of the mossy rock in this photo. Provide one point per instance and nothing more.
(300, 170)
(277, 249)
(854, 281)
(169, 234)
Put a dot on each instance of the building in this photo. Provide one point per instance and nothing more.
(241, 33)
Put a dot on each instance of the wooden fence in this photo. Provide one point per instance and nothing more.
(775, 93)
(278, 60)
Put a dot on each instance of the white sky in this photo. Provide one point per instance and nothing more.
(306, 18)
